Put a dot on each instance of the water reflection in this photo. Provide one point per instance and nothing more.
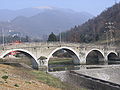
(66, 67)
(63, 67)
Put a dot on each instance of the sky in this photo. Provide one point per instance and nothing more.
(93, 7)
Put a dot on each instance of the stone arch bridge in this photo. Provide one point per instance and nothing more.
(79, 52)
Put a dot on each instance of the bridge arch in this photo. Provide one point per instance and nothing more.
(112, 56)
(112, 52)
(95, 56)
(73, 53)
(35, 62)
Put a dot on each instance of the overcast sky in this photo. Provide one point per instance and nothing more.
(92, 6)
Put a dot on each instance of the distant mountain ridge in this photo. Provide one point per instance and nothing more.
(38, 22)
(6, 15)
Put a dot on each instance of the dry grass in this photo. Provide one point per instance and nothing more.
(20, 79)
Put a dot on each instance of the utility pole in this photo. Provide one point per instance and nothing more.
(3, 37)
(60, 38)
(20, 36)
(110, 30)
(106, 34)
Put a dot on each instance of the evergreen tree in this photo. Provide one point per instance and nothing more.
(52, 37)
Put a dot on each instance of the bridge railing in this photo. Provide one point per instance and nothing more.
(58, 44)
(33, 44)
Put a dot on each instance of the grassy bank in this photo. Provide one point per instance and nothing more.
(59, 61)
(54, 82)
(48, 79)
(19, 78)
(31, 79)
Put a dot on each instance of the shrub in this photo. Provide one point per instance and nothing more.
(5, 77)
(16, 85)
(27, 82)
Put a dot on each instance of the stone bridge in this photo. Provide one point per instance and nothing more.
(79, 52)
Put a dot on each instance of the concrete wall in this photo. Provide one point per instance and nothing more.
(91, 83)
(81, 80)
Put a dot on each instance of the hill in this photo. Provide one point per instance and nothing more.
(38, 22)
(97, 28)
(8, 15)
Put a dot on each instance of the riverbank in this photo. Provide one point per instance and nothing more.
(13, 77)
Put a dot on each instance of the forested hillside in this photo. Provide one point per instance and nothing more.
(97, 28)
